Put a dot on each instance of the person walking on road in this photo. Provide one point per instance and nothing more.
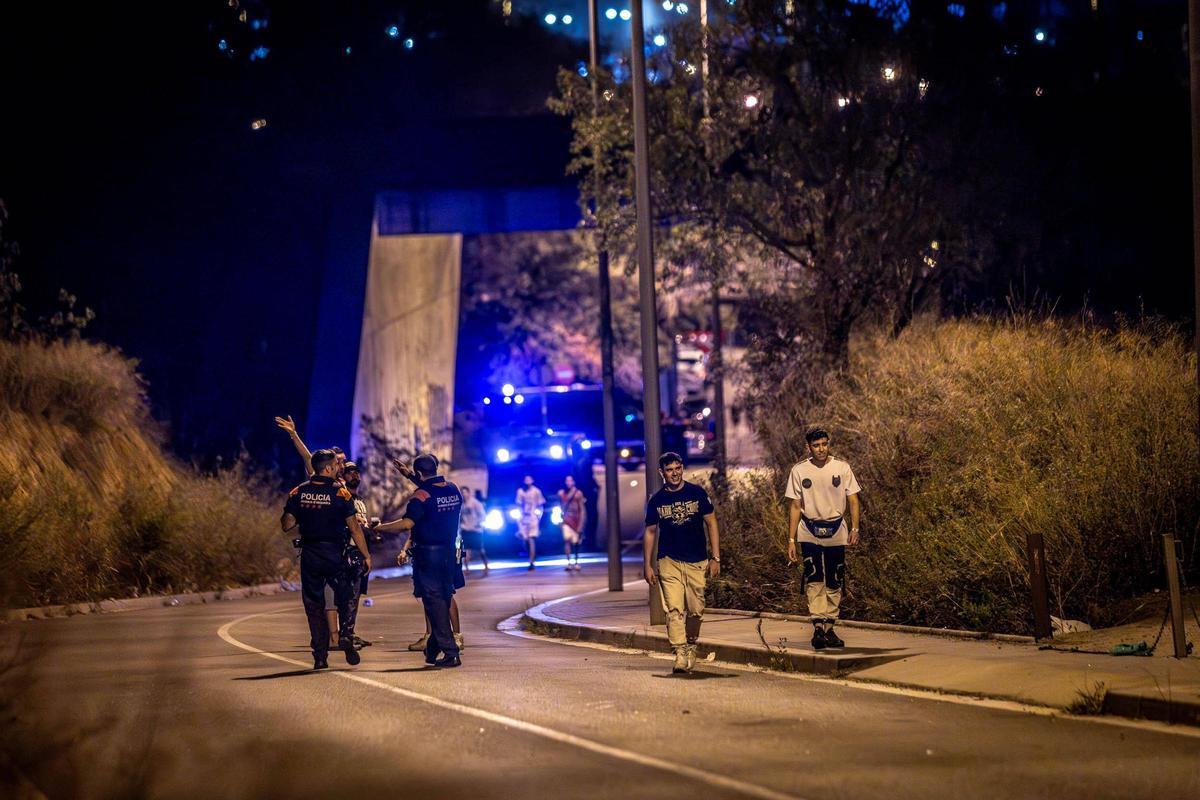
(681, 520)
(433, 517)
(323, 509)
(821, 489)
(530, 502)
(574, 516)
(472, 530)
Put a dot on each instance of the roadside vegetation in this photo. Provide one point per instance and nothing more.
(966, 435)
(91, 507)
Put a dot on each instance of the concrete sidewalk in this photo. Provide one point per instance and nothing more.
(1008, 668)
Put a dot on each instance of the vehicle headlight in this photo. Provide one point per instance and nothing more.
(556, 451)
(494, 520)
(502, 455)
(514, 514)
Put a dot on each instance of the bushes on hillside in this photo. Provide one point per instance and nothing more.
(90, 507)
(965, 436)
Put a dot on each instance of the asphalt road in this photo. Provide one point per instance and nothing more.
(217, 701)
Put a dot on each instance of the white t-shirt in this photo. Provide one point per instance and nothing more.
(530, 500)
(822, 492)
(472, 515)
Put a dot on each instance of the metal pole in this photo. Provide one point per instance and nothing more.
(1035, 547)
(716, 361)
(645, 260)
(1194, 80)
(612, 492)
(1171, 562)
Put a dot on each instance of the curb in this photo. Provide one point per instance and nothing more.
(884, 626)
(140, 603)
(1151, 705)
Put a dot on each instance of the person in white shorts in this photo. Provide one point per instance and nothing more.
(821, 489)
(530, 502)
(574, 516)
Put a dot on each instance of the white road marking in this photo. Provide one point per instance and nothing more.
(512, 626)
(703, 776)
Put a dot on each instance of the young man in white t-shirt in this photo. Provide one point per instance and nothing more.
(820, 489)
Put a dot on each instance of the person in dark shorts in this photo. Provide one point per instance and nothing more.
(472, 529)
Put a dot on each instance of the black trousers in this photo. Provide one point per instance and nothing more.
(358, 583)
(321, 565)
(433, 582)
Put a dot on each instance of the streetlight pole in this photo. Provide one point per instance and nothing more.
(1194, 81)
(645, 261)
(612, 492)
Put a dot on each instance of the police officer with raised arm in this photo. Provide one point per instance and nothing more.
(433, 517)
(323, 509)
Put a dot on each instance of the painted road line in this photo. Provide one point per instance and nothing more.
(699, 775)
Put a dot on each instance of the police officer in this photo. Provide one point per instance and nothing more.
(323, 509)
(433, 517)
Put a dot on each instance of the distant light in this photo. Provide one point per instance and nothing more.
(550, 19)
(567, 19)
(258, 124)
(625, 452)
(957, 10)
(843, 102)
(514, 514)
(633, 483)
(1039, 35)
(549, 431)
(750, 101)
(508, 401)
(582, 69)
(933, 245)
(668, 5)
(258, 24)
(519, 399)
(690, 69)
(1141, 35)
(222, 45)
(889, 73)
(393, 31)
(259, 53)
(630, 417)
(1038, 92)
(922, 87)
(487, 401)
(556, 515)
(348, 50)
(586, 444)
(409, 44)
(507, 390)
(707, 411)
(660, 40)
(682, 8)
(502, 455)
(610, 13)
(494, 520)
(626, 14)
(556, 451)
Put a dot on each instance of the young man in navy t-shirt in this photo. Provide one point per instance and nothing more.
(681, 519)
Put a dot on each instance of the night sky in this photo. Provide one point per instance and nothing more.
(133, 176)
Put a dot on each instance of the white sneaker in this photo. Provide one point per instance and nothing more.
(690, 655)
(458, 640)
(680, 666)
(419, 644)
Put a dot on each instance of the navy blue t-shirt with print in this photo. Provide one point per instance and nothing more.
(680, 520)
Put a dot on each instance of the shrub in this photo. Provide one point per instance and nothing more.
(967, 435)
(90, 507)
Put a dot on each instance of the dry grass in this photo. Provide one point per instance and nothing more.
(90, 507)
(966, 435)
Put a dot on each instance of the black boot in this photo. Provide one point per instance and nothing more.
(832, 640)
(818, 640)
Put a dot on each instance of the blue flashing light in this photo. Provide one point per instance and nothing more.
(508, 390)
(556, 451)
(556, 516)
(348, 50)
(582, 69)
(409, 44)
(494, 520)
(1039, 36)
(1141, 35)
(999, 10)
(259, 53)
(550, 19)
(393, 31)
(660, 40)
(514, 514)
(630, 417)
(503, 456)
(518, 399)
(222, 45)
(957, 10)
(258, 24)
(610, 13)
(487, 401)
(586, 444)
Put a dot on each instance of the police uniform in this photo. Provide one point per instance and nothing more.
(434, 509)
(321, 506)
(822, 532)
